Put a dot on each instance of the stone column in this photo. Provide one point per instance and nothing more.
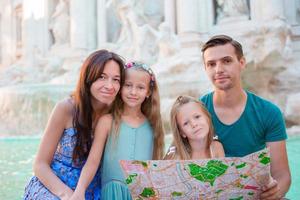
(206, 15)
(101, 22)
(291, 11)
(7, 43)
(170, 14)
(188, 16)
(188, 26)
(83, 24)
(35, 33)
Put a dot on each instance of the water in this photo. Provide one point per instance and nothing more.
(17, 155)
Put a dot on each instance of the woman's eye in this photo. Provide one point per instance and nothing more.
(117, 80)
(102, 77)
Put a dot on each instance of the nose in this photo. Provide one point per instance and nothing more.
(133, 90)
(219, 68)
(193, 123)
(109, 84)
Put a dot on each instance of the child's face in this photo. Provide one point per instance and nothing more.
(192, 122)
(136, 87)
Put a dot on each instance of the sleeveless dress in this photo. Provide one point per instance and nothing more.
(64, 168)
(132, 144)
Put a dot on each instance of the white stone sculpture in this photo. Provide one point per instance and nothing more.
(227, 10)
(168, 42)
(137, 40)
(60, 25)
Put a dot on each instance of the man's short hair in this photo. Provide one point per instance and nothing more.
(218, 40)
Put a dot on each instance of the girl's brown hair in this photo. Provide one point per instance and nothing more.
(92, 68)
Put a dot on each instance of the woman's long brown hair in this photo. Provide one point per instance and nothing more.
(91, 70)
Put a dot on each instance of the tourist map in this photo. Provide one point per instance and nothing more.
(232, 178)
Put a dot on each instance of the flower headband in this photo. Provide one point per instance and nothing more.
(144, 67)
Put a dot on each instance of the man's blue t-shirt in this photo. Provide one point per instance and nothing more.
(260, 122)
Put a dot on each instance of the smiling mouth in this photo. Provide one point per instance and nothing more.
(107, 93)
(195, 132)
(132, 99)
(221, 78)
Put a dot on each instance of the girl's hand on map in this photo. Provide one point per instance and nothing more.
(271, 191)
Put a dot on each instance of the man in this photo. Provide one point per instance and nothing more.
(244, 122)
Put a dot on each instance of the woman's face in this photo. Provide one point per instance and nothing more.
(106, 87)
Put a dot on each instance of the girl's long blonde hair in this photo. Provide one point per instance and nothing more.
(182, 146)
(150, 108)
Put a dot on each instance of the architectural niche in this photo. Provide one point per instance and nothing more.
(226, 11)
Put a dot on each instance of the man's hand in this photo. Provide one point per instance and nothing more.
(271, 191)
(280, 182)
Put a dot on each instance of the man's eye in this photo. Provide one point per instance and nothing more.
(210, 64)
(227, 61)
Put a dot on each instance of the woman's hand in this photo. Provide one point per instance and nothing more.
(67, 194)
(78, 195)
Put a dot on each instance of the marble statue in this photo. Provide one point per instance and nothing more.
(59, 25)
(231, 9)
(168, 43)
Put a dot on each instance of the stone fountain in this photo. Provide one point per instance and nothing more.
(31, 85)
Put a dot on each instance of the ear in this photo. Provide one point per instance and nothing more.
(243, 62)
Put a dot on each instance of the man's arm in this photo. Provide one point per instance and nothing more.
(280, 171)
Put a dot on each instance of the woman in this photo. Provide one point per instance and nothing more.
(68, 136)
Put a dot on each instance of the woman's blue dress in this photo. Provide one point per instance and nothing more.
(64, 168)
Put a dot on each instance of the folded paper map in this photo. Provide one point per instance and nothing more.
(223, 178)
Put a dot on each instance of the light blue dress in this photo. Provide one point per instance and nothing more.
(132, 144)
(68, 172)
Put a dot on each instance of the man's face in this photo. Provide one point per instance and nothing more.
(223, 67)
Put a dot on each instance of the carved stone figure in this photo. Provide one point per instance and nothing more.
(59, 25)
(137, 40)
(231, 9)
(168, 43)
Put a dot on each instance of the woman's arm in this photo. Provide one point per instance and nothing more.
(90, 168)
(59, 118)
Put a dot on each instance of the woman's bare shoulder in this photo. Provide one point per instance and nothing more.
(64, 112)
(66, 105)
